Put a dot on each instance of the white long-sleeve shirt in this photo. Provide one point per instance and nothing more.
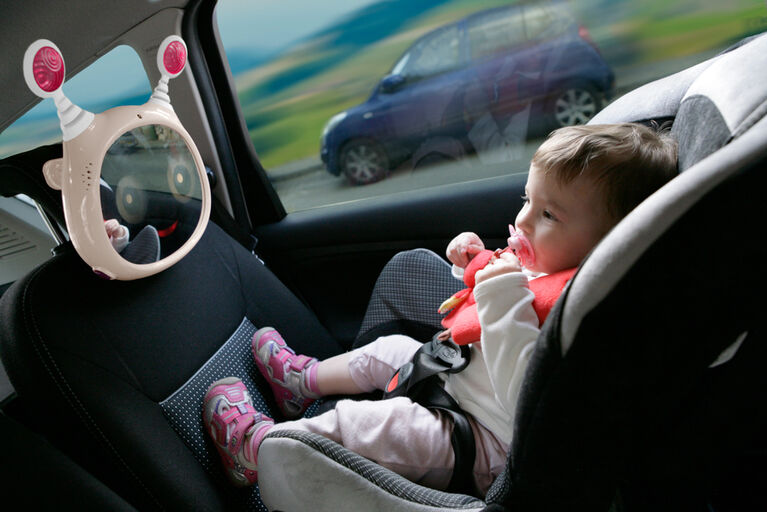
(488, 388)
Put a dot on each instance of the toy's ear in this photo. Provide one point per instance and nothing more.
(52, 170)
(478, 262)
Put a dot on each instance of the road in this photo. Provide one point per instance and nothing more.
(309, 185)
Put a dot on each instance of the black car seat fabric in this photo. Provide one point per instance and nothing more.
(34, 472)
(114, 372)
(644, 392)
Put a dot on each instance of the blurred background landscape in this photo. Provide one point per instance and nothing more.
(287, 97)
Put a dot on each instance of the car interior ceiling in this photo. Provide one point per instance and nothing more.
(102, 368)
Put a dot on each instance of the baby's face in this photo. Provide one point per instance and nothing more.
(562, 222)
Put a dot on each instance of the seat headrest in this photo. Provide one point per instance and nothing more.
(711, 103)
(722, 103)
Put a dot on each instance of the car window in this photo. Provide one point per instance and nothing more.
(332, 118)
(495, 31)
(542, 22)
(117, 78)
(434, 54)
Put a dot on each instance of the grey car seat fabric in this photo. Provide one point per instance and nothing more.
(644, 392)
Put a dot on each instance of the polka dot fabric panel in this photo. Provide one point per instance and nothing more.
(184, 407)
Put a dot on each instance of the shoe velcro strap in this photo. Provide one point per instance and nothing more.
(298, 363)
(234, 414)
(295, 362)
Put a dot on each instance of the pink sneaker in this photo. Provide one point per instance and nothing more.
(285, 371)
(236, 428)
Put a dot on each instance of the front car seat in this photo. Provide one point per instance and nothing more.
(644, 392)
(113, 372)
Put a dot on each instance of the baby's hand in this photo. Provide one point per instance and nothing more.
(114, 229)
(506, 263)
(463, 248)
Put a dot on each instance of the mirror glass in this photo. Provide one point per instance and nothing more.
(151, 195)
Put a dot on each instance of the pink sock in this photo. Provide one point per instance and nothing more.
(310, 379)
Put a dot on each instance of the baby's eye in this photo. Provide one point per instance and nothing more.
(525, 199)
(548, 215)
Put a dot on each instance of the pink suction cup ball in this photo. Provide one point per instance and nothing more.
(44, 68)
(171, 56)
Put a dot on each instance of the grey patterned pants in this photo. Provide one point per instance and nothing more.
(406, 297)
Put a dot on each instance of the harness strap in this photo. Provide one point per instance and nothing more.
(419, 380)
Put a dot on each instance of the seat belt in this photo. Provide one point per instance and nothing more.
(419, 380)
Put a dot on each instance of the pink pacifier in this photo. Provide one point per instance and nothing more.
(521, 247)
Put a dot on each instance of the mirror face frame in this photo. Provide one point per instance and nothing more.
(78, 175)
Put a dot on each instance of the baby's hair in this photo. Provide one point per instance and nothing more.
(628, 161)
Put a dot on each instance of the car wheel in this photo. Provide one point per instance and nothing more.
(364, 161)
(575, 105)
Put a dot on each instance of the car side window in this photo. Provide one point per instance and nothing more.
(538, 22)
(495, 32)
(435, 54)
(334, 115)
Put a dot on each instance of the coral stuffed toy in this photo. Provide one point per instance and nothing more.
(462, 320)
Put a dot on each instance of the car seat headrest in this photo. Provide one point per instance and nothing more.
(724, 101)
(659, 99)
(708, 104)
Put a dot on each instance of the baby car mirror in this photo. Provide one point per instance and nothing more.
(135, 193)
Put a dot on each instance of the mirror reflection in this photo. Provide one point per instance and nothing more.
(151, 195)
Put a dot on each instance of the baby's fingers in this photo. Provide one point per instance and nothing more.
(463, 248)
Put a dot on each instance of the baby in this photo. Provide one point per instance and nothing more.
(582, 181)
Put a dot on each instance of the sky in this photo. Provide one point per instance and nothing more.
(264, 23)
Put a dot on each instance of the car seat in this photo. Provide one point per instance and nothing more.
(645, 389)
(113, 373)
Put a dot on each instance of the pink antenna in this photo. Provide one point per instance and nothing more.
(171, 60)
(44, 72)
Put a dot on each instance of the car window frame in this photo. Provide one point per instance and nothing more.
(253, 199)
